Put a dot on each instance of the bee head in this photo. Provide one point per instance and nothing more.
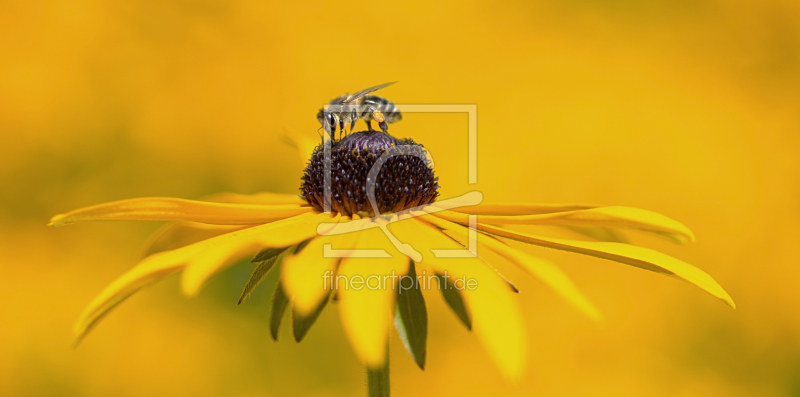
(327, 119)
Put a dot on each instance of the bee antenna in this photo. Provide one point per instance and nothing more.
(321, 137)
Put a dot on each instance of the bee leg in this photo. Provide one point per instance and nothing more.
(369, 125)
(341, 128)
(381, 119)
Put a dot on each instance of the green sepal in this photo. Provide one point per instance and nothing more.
(267, 259)
(454, 299)
(301, 324)
(259, 274)
(267, 253)
(279, 303)
(411, 317)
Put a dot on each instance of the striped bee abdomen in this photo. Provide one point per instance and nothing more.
(389, 109)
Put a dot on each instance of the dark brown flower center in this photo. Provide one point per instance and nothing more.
(405, 179)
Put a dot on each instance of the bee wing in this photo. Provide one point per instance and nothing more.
(361, 93)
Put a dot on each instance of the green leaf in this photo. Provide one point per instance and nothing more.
(411, 317)
(301, 324)
(456, 302)
(279, 303)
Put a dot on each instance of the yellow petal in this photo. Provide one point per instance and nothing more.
(150, 270)
(521, 209)
(599, 233)
(218, 253)
(367, 312)
(174, 209)
(613, 217)
(496, 316)
(179, 234)
(307, 276)
(204, 259)
(496, 319)
(469, 198)
(550, 274)
(624, 253)
(258, 198)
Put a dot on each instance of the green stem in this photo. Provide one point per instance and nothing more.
(378, 380)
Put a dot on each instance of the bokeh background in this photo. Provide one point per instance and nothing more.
(688, 108)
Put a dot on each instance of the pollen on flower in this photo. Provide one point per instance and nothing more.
(404, 181)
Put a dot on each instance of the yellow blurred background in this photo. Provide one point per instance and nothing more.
(688, 108)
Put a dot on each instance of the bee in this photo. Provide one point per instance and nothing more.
(347, 109)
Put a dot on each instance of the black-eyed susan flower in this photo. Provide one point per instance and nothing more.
(384, 227)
